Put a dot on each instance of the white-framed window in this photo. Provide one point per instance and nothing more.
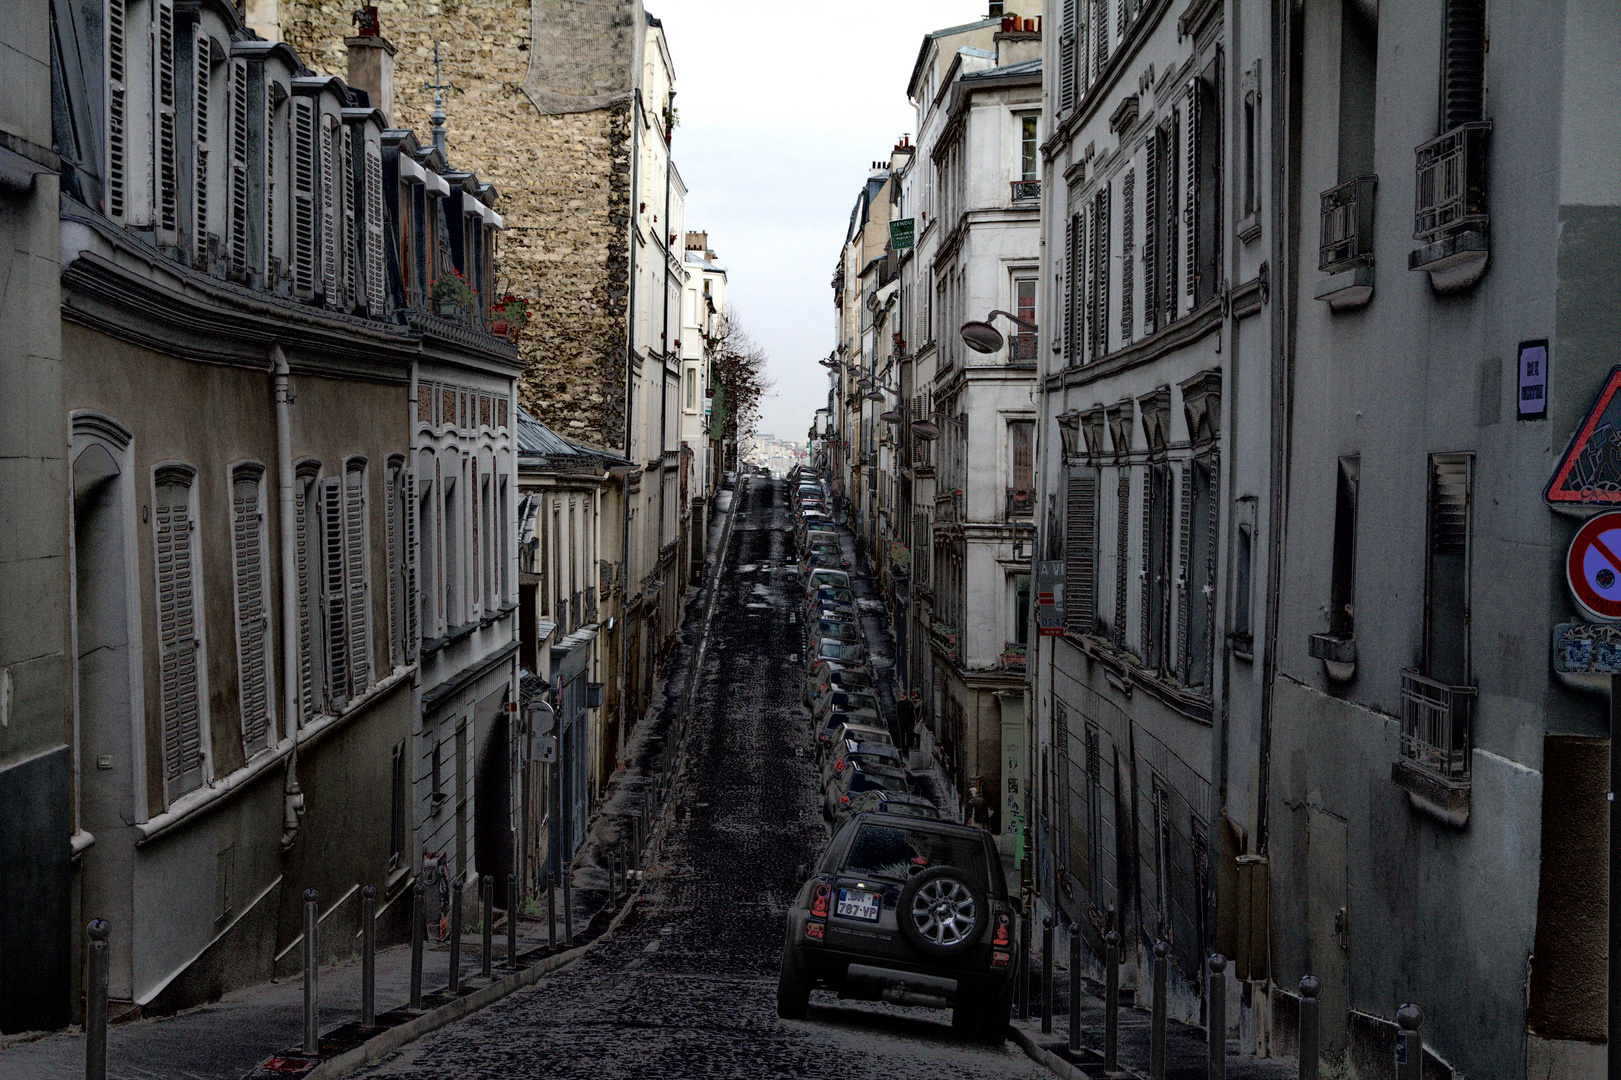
(1029, 142)
(692, 388)
(183, 677)
(249, 547)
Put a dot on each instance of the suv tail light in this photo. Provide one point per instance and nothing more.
(844, 800)
(1003, 925)
(819, 902)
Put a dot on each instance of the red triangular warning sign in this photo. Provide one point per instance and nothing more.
(1589, 473)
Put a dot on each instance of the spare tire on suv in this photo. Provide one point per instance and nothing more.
(941, 912)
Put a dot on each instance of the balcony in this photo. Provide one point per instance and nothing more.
(1346, 248)
(1013, 657)
(944, 637)
(1026, 190)
(1436, 741)
(1021, 502)
(1451, 219)
(1021, 351)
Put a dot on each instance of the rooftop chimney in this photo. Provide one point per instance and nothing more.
(996, 9)
(697, 241)
(371, 61)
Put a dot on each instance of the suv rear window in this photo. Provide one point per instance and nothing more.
(888, 851)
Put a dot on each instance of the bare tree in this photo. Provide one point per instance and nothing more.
(740, 382)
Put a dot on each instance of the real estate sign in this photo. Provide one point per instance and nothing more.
(901, 233)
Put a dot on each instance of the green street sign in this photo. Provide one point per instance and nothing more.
(900, 234)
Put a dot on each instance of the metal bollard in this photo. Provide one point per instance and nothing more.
(368, 956)
(568, 904)
(1024, 964)
(1075, 987)
(312, 927)
(512, 921)
(1409, 1043)
(1111, 1002)
(489, 923)
(419, 930)
(95, 1003)
(551, 913)
(1218, 1017)
(1156, 1038)
(455, 983)
(1047, 975)
(1310, 1025)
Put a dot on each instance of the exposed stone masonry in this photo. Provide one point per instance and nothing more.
(563, 176)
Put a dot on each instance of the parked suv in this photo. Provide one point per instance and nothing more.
(908, 911)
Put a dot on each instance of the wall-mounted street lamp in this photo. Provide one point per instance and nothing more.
(982, 337)
(928, 429)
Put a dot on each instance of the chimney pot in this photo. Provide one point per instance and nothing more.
(371, 67)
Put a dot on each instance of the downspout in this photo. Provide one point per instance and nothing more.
(292, 797)
(630, 399)
(416, 669)
(664, 359)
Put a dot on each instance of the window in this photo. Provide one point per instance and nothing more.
(1252, 181)
(1022, 346)
(252, 606)
(1028, 158)
(1021, 444)
(334, 617)
(1080, 552)
(402, 562)
(1097, 300)
(1128, 251)
(1243, 577)
(1159, 227)
(238, 210)
(1446, 579)
(1067, 37)
(1342, 588)
(1075, 292)
(376, 295)
(399, 818)
(356, 551)
(452, 573)
(306, 555)
(118, 102)
(183, 691)
(692, 389)
(1021, 609)
(331, 151)
(166, 165)
(1204, 185)
(1197, 588)
(1156, 565)
(306, 156)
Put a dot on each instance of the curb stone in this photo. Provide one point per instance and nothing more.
(1055, 1064)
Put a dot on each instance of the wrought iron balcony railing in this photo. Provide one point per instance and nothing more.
(1021, 350)
(1347, 224)
(1021, 502)
(1451, 183)
(1024, 190)
(1436, 725)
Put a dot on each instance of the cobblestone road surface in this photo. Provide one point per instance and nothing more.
(687, 986)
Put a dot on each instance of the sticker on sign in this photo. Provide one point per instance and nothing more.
(1593, 566)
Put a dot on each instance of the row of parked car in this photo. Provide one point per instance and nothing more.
(901, 907)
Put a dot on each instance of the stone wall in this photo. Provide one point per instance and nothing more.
(563, 174)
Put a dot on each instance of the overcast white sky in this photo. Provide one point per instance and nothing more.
(783, 109)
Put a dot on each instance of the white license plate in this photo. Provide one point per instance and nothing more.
(854, 904)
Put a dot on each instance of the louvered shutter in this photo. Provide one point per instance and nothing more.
(1149, 649)
(1193, 110)
(376, 297)
(202, 69)
(304, 558)
(1151, 234)
(413, 544)
(1080, 553)
(1100, 20)
(1212, 504)
(349, 253)
(166, 130)
(239, 166)
(1185, 579)
(332, 595)
(305, 155)
(1100, 272)
(1463, 67)
(1072, 271)
(1087, 334)
(1120, 18)
(356, 551)
(1128, 251)
(179, 692)
(1066, 58)
(329, 210)
(117, 109)
(252, 620)
(396, 564)
(1168, 208)
(1122, 553)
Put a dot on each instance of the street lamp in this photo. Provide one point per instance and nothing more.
(928, 429)
(982, 337)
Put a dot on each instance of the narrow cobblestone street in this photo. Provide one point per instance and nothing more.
(686, 986)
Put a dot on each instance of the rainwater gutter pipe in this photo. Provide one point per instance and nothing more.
(289, 543)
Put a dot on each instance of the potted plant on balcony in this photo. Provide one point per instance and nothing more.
(451, 294)
(509, 316)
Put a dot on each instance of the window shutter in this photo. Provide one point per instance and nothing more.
(239, 166)
(413, 633)
(350, 251)
(304, 157)
(1149, 649)
(1120, 18)
(1463, 64)
(303, 512)
(1168, 207)
(201, 57)
(1100, 20)
(252, 621)
(166, 130)
(1080, 553)
(1212, 479)
(332, 585)
(1122, 556)
(117, 104)
(1128, 201)
(1190, 225)
(1072, 302)
(355, 552)
(1088, 333)
(329, 209)
(376, 297)
(1151, 234)
(1185, 580)
(396, 564)
(180, 694)
(1101, 246)
(1066, 58)
(270, 180)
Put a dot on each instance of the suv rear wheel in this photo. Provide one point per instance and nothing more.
(941, 912)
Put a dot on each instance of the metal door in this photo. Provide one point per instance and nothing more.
(1327, 925)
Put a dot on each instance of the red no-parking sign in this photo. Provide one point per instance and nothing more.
(1593, 566)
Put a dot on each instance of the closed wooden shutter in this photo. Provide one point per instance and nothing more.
(1100, 21)
(1022, 436)
(376, 296)
(356, 551)
(334, 609)
(1192, 111)
(167, 134)
(1088, 332)
(1211, 478)
(178, 646)
(202, 67)
(252, 616)
(1101, 264)
(1073, 290)
(413, 544)
(1150, 639)
(1066, 57)
(1463, 63)
(1168, 208)
(1447, 584)
(1080, 553)
(1185, 579)
(329, 210)
(396, 564)
(349, 249)
(1151, 233)
(238, 245)
(1122, 554)
(304, 557)
(1128, 252)
(271, 161)
(306, 154)
(117, 113)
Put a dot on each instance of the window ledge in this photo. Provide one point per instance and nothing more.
(1454, 262)
(1347, 290)
(1445, 800)
(1249, 229)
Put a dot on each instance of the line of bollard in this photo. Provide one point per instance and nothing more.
(512, 921)
(1310, 1025)
(489, 925)
(1047, 975)
(1111, 1001)
(419, 931)
(1218, 1017)
(1156, 1038)
(312, 928)
(455, 982)
(551, 913)
(368, 956)
(1075, 988)
(1409, 1043)
(1024, 964)
(95, 1003)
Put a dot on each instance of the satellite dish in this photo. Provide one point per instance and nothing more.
(982, 337)
(925, 429)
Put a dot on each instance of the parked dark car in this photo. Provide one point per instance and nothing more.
(892, 802)
(853, 780)
(907, 911)
(822, 675)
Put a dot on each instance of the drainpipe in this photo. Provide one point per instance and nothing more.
(630, 399)
(416, 670)
(664, 337)
(292, 797)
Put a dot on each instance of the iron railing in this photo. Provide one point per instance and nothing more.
(1026, 189)
(1436, 725)
(1451, 182)
(1021, 502)
(1021, 350)
(1347, 224)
